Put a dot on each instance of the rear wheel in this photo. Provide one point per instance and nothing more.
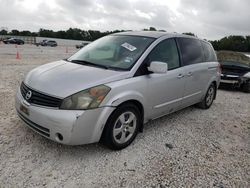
(209, 98)
(122, 127)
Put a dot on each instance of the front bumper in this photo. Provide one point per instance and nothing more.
(230, 79)
(75, 126)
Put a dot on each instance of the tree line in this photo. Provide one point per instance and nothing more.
(233, 43)
(71, 33)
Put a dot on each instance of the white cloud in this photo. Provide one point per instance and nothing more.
(209, 19)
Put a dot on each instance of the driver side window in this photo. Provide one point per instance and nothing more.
(166, 51)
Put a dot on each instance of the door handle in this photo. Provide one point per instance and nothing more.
(180, 76)
(189, 74)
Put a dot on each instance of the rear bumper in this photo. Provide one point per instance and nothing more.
(76, 126)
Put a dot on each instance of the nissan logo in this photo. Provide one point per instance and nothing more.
(28, 95)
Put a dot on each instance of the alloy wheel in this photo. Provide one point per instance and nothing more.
(124, 127)
(210, 96)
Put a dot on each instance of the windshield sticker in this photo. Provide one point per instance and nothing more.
(129, 46)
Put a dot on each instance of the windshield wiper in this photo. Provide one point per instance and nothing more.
(83, 62)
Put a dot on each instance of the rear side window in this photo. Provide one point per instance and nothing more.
(191, 50)
(166, 51)
(209, 53)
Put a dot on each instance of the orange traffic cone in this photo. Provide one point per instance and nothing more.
(18, 55)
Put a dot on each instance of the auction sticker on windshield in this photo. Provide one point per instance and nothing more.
(128, 46)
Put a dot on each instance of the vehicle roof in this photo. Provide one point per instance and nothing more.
(153, 34)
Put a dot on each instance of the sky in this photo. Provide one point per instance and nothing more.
(208, 19)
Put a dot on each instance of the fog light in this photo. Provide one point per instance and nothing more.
(59, 137)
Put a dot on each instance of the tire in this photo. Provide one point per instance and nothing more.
(122, 127)
(246, 87)
(209, 98)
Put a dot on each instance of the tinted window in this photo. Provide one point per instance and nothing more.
(191, 50)
(166, 51)
(209, 53)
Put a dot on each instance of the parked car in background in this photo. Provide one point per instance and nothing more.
(110, 88)
(236, 74)
(13, 41)
(79, 46)
(51, 43)
(46, 42)
(42, 43)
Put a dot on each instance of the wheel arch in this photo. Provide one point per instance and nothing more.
(135, 102)
(216, 86)
(212, 81)
(140, 107)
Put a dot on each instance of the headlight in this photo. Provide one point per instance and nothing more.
(86, 99)
(247, 75)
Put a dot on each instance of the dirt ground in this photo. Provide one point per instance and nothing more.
(189, 148)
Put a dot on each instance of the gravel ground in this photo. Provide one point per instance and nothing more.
(189, 148)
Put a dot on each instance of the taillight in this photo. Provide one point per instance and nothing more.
(219, 68)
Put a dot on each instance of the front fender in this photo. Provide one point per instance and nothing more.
(126, 90)
(120, 98)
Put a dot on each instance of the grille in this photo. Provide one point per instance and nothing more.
(42, 130)
(229, 78)
(39, 98)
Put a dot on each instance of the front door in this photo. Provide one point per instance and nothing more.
(165, 90)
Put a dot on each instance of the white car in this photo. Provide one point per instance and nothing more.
(109, 89)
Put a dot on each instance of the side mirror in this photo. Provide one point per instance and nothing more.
(158, 67)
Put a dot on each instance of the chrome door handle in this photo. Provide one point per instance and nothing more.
(180, 76)
(189, 74)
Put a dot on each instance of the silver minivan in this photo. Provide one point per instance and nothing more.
(110, 88)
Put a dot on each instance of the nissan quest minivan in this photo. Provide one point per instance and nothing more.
(110, 88)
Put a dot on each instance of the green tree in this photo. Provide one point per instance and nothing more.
(248, 43)
(14, 32)
(3, 32)
(25, 33)
(189, 33)
(46, 33)
(152, 29)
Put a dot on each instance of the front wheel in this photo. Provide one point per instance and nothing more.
(209, 98)
(122, 127)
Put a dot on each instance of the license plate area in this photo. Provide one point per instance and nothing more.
(24, 109)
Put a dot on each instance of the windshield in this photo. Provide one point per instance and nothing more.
(118, 52)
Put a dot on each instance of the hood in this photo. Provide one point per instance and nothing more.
(63, 78)
(234, 68)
